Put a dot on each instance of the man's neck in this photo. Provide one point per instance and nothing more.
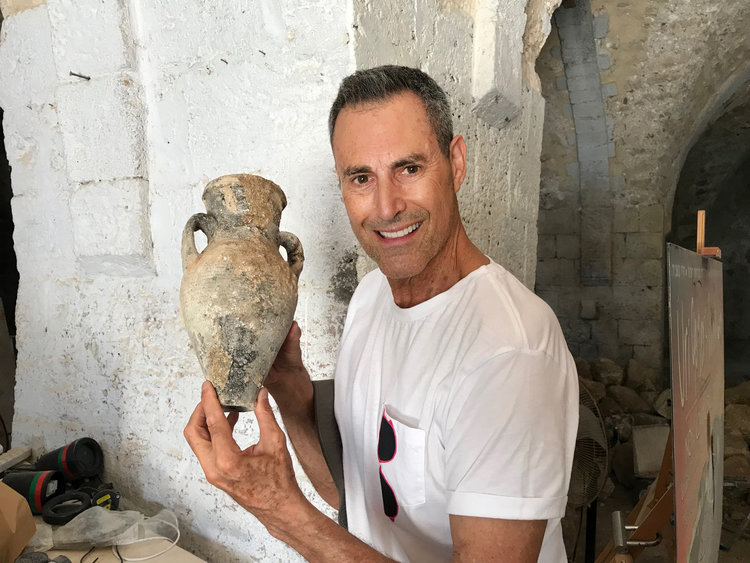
(455, 262)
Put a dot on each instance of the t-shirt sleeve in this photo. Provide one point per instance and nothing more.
(509, 434)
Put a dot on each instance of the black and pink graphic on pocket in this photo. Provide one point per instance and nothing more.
(400, 464)
(386, 452)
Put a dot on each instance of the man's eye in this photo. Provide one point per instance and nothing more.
(361, 179)
(411, 169)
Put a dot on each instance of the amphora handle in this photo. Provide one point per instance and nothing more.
(294, 253)
(198, 222)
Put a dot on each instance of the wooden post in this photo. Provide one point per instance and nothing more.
(701, 247)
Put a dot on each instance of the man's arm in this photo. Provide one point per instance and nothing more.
(291, 387)
(492, 539)
(261, 479)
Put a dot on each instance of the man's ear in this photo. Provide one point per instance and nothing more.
(458, 161)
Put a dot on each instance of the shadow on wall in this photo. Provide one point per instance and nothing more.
(715, 177)
(8, 292)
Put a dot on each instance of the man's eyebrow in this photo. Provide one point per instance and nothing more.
(360, 169)
(409, 159)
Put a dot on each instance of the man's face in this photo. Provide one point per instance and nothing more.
(399, 189)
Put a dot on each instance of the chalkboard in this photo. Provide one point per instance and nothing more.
(696, 331)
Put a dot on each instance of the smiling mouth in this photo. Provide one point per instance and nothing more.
(401, 233)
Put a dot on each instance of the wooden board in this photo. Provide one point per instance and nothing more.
(696, 329)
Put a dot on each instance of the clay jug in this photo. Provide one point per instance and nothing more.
(238, 295)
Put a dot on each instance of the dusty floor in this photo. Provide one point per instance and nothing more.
(621, 499)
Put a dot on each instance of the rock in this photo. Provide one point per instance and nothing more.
(735, 444)
(663, 404)
(649, 397)
(607, 372)
(629, 400)
(642, 377)
(737, 420)
(598, 390)
(737, 466)
(622, 464)
(738, 395)
(624, 430)
(608, 407)
(645, 419)
(584, 368)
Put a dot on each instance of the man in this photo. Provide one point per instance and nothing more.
(456, 395)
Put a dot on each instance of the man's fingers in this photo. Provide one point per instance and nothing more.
(217, 424)
(232, 419)
(270, 431)
(196, 433)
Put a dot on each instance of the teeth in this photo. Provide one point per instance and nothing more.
(401, 233)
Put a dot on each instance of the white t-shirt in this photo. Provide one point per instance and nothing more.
(480, 390)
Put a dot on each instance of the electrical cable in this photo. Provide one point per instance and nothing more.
(578, 534)
(116, 550)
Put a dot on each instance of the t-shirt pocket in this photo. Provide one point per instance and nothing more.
(404, 471)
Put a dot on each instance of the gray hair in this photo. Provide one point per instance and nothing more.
(380, 83)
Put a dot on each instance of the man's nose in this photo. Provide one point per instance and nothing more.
(390, 199)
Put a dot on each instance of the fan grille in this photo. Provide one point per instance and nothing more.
(590, 459)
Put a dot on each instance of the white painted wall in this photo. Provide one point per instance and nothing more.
(106, 171)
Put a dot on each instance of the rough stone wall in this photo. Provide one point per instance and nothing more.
(660, 68)
(499, 200)
(118, 113)
(107, 167)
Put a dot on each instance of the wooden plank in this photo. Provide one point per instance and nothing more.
(14, 456)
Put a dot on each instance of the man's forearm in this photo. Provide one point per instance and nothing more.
(302, 432)
(318, 538)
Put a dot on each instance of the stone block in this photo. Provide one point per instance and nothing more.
(618, 245)
(34, 148)
(737, 420)
(590, 110)
(11, 7)
(585, 83)
(598, 390)
(576, 330)
(572, 168)
(496, 71)
(735, 444)
(556, 272)
(604, 61)
(638, 332)
(601, 26)
(558, 221)
(737, 467)
(561, 83)
(110, 218)
(609, 90)
(604, 333)
(88, 37)
(546, 247)
(568, 303)
(641, 377)
(589, 310)
(644, 245)
(739, 394)
(102, 124)
(27, 69)
(607, 371)
(651, 218)
(628, 399)
(636, 271)
(568, 246)
(651, 355)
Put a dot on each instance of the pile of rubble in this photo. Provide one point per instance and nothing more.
(626, 397)
(737, 431)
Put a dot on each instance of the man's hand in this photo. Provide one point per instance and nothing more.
(260, 478)
(288, 380)
(292, 389)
